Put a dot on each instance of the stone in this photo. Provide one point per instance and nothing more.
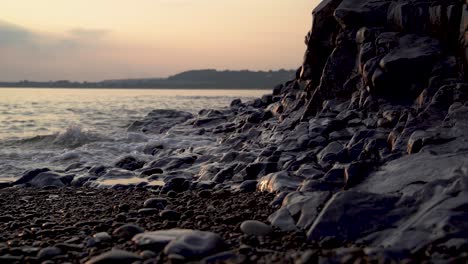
(48, 253)
(283, 220)
(29, 175)
(102, 237)
(115, 256)
(248, 186)
(129, 163)
(255, 228)
(278, 181)
(159, 121)
(156, 202)
(47, 179)
(170, 215)
(195, 245)
(157, 240)
(127, 231)
(330, 153)
(349, 215)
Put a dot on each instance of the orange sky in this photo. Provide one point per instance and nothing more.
(103, 39)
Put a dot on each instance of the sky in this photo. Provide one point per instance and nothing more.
(91, 40)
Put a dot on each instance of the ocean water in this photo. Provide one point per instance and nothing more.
(57, 127)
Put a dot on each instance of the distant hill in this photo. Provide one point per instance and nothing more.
(190, 79)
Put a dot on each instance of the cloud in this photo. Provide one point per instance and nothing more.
(14, 35)
(89, 33)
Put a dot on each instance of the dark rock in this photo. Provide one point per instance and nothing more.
(248, 186)
(130, 163)
(48, 253)
(127, 231)
(151, 171)
(195, 245)
(170, 215)
(115, 256)
(160, 120)
(157, 240)
(350, 215)
(256, 228)
(29, 175)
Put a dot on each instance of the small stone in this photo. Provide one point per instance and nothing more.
(102, 237)
(148, 211)
(49, 252)
(169, 215)
(172, 194)
(157, 240)
(115, 256)
(255, 228)
(127, 231)
(195, 245)
(157, 202)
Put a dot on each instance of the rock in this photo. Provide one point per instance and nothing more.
(248, 186)
(47, 179)
(177, 185)
(169, 215)
(255, 228)
(195, 245)
(157, 240)
(151, 171)
(160, 120)
(157, 202)
(115, 256)
(283, 220)
(127, 231)
(350, 215)
(29, 175)
(102, 237)
(331, 152)
(129, 163)
(279, 181)
(48, 253)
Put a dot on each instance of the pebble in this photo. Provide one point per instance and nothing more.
(159, 203)
(157, 240)
(255, 228)
(49, 252)
(195, 245)
(102, 237)
(169, 215)
(115, 256)
(127, 231)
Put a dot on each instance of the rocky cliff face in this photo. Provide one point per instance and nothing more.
(384, 112)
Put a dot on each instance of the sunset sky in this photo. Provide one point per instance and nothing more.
(104, 39)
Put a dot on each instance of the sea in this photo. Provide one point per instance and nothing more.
(53, 128)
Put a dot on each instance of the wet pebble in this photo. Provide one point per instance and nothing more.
(255, 228)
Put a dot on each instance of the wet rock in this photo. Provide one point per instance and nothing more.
(48, 253)
(248, 186)
(47, 179)
(331, 152)
(195, 245)
(159, 121)
(115, 256)
(170, 215)
(151, 171)
(255, 228)
(279, 181)
(283, 220)
(350, 215)
(29, 175)
(127, 231)
(157, 240)
(129, 163)
(102, 237)
(157, 202)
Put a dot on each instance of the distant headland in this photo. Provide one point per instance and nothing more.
(195, 79)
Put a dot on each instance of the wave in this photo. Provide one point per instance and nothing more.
(72, 137)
